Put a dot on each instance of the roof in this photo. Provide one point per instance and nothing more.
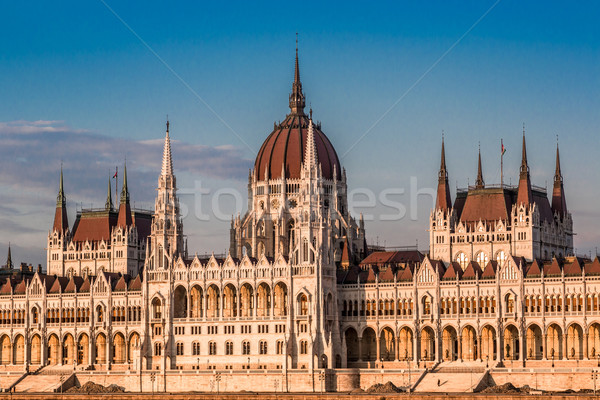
(95, 226)
(381, 258)
(284, 149)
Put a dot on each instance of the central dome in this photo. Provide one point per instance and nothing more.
(284, 149)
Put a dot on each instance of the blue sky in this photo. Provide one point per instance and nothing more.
(76, 67)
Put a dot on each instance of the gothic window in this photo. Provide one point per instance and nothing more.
(263, 347)
(463, 260)
(279, 347)
(482, 258)
(303, 304)
(305, 250)
(426, 305)
(179, 348)
(228, 348)
(196, 348)
(157, 349)
(501, 258)
(303, 347)
(212, 348)
(246, 347)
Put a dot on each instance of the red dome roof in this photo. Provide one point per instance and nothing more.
(286, 145)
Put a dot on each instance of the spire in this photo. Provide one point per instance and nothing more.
(124, 219)
(310, 157)
(125, 191)
(297, 101)
(559, 202)
(60, 199)
(443, 201)
(479, 183)
(167, 162)
(61, 222)
(109, 201)
(524, 195)
(9, 263)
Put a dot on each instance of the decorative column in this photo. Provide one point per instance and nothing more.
(359, 348)
(460, 349)
(585, 346)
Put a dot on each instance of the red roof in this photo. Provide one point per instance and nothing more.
(574, 268)
(453, 271)
(487, 204)
(94, 226)
(490, 270)
(285, 148)
(554, 269)
(472, 271)
(535, 269)
(380, 258)
(593, 268)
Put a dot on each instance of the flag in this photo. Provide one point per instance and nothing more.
(116, 172)
(503, 149)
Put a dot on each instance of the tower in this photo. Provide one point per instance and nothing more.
(59, 234)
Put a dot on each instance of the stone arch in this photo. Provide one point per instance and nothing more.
(511, 342)
(488, 343)
(449, 343)
(246, 300)
(229, 301)
(19, 350)
(427, 344)
(574, 342)
(180, 302)
(36, 349)
(387, 344)
(53, 349)
(263, 300)
(303, 305)
(196, 301)
(118, 348)
(83, 346)
(405, 343)
(133, 347)
(535, 342)
(68, 349)
(594, 340)
(157, 308)
(100, 349)
(352, 347)
(470, 345)
(369, 344)
(554, 339)
(212, 301)
(281, 299)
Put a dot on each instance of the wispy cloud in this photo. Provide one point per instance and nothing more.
(31, 153)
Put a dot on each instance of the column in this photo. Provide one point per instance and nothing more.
(396, 348)
(460, 349)
(565, 355)
(499, 350)
(108, 355)
(91, 352)
(479, 348)
(378, 339)
(359, 348)
(546, 352)
(585, 346)
(416, 341)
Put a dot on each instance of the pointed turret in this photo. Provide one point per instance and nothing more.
(559, 202)
(524, 195)
(297, 101)
(310, 154)
(479, 183)
(124, 219)
(61, 223)
(109, 201)
(9, 263)
(443, 201)
(167, 162)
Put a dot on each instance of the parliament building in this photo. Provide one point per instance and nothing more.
(299, 291)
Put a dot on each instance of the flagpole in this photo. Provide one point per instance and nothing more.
(116, 186)
(501, 164)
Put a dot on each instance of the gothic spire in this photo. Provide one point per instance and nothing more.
(559, 202)
(479, 183)
(524, 195)
(297, 101)
(124, 219)
(61, 222)
(310, 157)
(9, 263)
(443, 201)
(167, 162)
(109, 201)
(125, 190)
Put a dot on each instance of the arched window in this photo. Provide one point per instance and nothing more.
(245, 347)
(196, 348)
(303, 347)
(482, 258)
(463, 260)
(303, 304)
(157, 349)
(229, 348)
(262, 347)
(212, 348)
(501, 258)
(279, 349)
(179, 348)
(426, 305)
